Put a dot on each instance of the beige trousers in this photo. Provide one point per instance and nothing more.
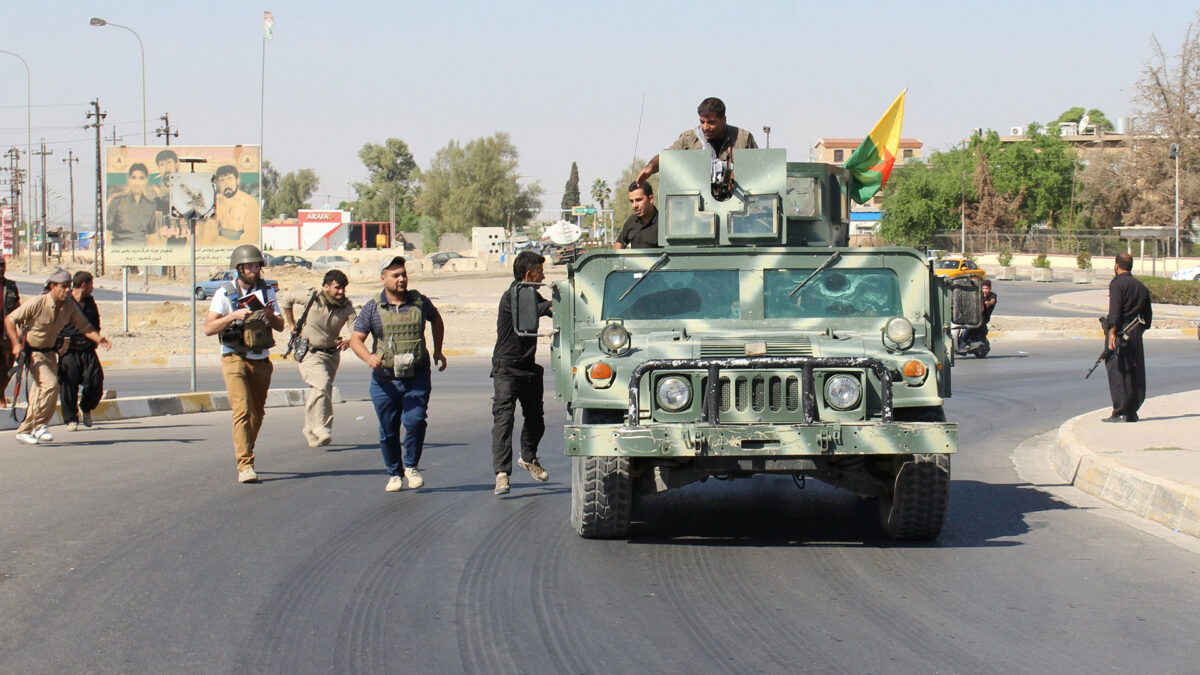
(318, 370)
(247, 382)
(43, 390)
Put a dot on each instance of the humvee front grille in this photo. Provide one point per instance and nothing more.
(800, 346)
(741, 390)
(757, 393)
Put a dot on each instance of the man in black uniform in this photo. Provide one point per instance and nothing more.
(79, 366)
(641, 229)
(10, 299)
(1127, 299)
(517, 377)
(989, 305)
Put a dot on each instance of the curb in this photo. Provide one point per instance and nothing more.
(1164, 501)
(212, 359)
(174, 404)
(1152, 334)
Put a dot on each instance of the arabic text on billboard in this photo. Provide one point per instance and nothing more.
(140, 227)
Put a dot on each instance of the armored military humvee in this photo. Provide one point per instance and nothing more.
(755, 342)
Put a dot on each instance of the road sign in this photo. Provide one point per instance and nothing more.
(583, 210)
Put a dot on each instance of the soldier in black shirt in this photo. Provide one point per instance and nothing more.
(79, 366)
(641, 229)
(1127, 298)
(10, 299)
(517, 377)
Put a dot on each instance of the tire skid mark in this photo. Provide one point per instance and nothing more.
(484, 610)
(678, 577)
(364, 645)
(573, 643)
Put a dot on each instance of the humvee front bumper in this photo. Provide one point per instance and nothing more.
(822, 438)
(708, 437)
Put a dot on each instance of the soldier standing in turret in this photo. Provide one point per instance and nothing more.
(400, 368)
(244, 313)
(712, 134)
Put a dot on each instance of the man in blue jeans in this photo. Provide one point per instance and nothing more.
(400, 365)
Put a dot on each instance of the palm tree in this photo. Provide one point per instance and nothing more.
(600, 194)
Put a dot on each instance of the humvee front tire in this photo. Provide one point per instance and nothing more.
(914, 506)
(601, 496)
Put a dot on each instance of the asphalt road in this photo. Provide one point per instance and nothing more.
(132, 549)
(29, 290)
(1029, 298)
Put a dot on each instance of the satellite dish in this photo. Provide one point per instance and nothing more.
(564, 233)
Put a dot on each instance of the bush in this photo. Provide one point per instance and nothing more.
(1170, 292)
(1041, 262)
(1005, 257)
(1084, 260)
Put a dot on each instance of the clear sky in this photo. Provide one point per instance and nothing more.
(566, 80)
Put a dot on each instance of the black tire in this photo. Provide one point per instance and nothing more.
(983, 349)
(914, 507)
(601, 497)
(200, 294)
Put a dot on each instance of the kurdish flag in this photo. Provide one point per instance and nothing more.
(871, 164)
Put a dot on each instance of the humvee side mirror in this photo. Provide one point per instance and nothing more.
(525, 309)
(966, 302)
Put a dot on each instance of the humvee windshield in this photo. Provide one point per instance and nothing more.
(832, 293)
(673, 294)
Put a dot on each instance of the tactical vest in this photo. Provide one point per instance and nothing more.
(253, 334)
(401, 347)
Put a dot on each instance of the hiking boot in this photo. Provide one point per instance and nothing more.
(395, 484)
(87, 418)
(501, 483)
(43, 434)
(27, 439)
(72, 426)
(414, 477)
(247, 475)
(535, 469)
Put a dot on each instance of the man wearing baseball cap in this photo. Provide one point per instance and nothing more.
(43, 318)
(400, 368)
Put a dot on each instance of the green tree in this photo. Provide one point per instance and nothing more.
(392, 177)
(475, 185)
(269, 184)
(1038, 170)
(571, 195)
(290, 193)
(1095, 117)
(921, 199)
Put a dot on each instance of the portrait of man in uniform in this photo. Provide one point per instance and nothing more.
(131, 213)
(237, 211)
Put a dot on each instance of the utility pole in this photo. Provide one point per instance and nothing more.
(114, 139)
(71, 161)
(14, 156)
(98, 237)
(45, 226)
(166, 128)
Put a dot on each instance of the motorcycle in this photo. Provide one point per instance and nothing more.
(971, 341)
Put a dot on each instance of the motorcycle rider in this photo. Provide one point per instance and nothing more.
(979, 333)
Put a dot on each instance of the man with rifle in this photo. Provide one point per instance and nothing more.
(1128, 312)
(316, 344)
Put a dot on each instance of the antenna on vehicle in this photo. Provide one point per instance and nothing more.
(638, 137)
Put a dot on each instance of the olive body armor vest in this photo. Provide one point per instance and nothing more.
(401, 347)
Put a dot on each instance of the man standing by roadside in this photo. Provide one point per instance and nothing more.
(325, 313)
(517, 377)
(10, 299)
(43, 318)
(79, 366)
(1127, 299)
(641, 230)
(400, 368)
(244, 312)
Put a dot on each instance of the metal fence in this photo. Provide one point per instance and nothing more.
(1096, 242)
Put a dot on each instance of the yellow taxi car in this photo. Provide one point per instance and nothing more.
(954, 266)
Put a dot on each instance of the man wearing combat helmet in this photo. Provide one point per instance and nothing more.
(244, 313)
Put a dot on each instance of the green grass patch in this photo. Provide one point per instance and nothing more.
(1172, 292)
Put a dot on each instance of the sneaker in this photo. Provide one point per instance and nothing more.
(395, 484)
(27, 439)
(501, 483)
(247, 476)
(87, 419)
(72, 426)
(535, 469)
(43, 434)
(414, 478)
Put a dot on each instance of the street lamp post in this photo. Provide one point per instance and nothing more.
(767, 131)
(28, 161)
(1173, 153)
(96, 21)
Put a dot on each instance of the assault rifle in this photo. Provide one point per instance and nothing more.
(1122, 338)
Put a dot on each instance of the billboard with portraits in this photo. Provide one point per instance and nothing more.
(151, 192)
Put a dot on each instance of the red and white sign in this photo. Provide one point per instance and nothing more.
(315, 216)
(8, 215)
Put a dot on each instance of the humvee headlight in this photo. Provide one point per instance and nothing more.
(674, 393)
(842, 391)
(898, 333)
(614, 338)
